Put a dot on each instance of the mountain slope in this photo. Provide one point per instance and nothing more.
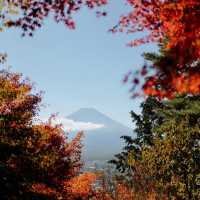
(102, 143)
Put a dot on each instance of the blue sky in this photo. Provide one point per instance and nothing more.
(80, 68)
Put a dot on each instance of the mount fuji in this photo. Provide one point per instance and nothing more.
(103, 142)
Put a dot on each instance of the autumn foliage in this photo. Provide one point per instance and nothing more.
(37, 160)
(30, 14)
(175, 25)
(176, 20)
(80, 187)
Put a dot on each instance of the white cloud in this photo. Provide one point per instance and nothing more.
(71, 125)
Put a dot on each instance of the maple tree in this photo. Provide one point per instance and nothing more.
(166, 81)
(30, 14)
(176, 20)
(175, 25)
(37, 160)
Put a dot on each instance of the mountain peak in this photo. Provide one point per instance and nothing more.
(107, 137)
(88, 109)
(90, 115)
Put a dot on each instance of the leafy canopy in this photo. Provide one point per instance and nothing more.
(165, 154)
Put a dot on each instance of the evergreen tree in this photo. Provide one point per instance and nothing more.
(128, 162)
(165, 154)
(174, 159)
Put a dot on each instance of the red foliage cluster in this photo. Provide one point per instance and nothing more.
(176, 25)
(176, 20)
(39, 157)
(80, 186)
(33, 12)
(183, 84)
